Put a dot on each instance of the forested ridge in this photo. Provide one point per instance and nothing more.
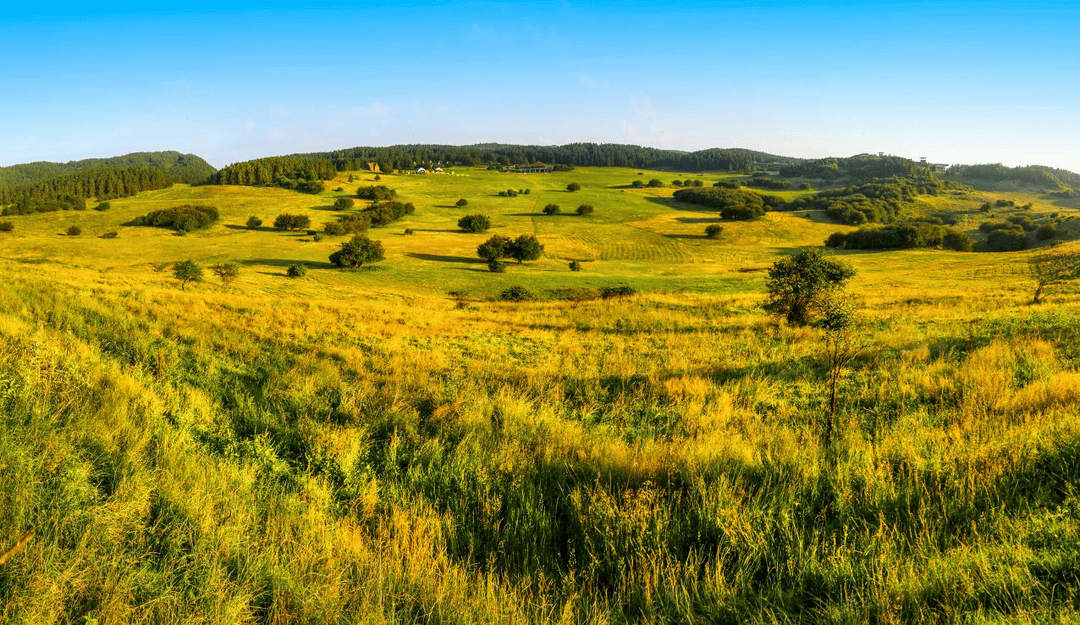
(35, 184)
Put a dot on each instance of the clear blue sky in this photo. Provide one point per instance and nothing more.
(957, 82)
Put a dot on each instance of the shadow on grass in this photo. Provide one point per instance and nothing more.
(699, 220)
(696, 237)
(458, 230)
(282, 262)
(446, 259)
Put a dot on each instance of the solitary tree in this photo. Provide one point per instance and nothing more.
(573, 186)
(585, 209)
(799, 284)
(187, 271)
(474, 223)
(1053, 270)
(226, 272)
(358, 251)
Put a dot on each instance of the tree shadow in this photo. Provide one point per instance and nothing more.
(445, 259)
(686, 236)
(458, 230)
(282, 262)
(699, 220)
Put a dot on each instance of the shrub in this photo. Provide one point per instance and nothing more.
(836, 239)
(299, 270)
(339, 190)
(74, 231)
(103, 206)
(1046, 231)
(696, 183)
(226, 272)
(495, 247)
(637, 184)
(734, 204)
(713, 231)
(377, 178)
(676, 183)
(184, 218)
(287, 221)
(1006, 240)
(253, 222)
(474, 223)
(655, 183)
(376, 193)
(496, 266)
(585, 209)
(111, 234)
(957, 241)
(623, 290)
(461, 203)
(343, 203)
(552, 209)
(316, 237)
(1023, 221)
(517, 294)
(358, 251)
(573, 186)
(575, 265)
(6, 226)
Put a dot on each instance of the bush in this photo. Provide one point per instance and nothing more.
(226, 272)
(517, 294)
(836, 239)
(585, 209)
(575, 265)
(103, 206)
(734, 204)
(253, 222)
(623, 290)
(358, 251)
(74, 231)
(316, 237)
(461, 203)
(6, 226)
(573, 186)
(184, 218)
(495, 247)
(552, 209)
(676, 183)
(655, 183)
(957, 241)
(343, 203)
(1023, 221)
(376, 193)
(287, 221)
(474, 223)
(111, 234)
(298, 270)
(1006, 240)
(713, 231)
(637, 184)
(496, 266)
(1046, 231)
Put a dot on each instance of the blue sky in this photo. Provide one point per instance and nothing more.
(957, 82)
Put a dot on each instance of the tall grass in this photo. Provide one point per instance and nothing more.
(215, 457)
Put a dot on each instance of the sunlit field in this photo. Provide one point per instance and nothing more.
(397, 445)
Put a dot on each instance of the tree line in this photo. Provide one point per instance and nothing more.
(97, 183)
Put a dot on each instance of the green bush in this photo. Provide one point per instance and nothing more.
(111, 234)
(836, 239)
(378, 193)
(461, 203)
(299, 270)
(575, 265)
(287, 221)
(496, 266)
(623, 290)
(573, 186)
(253, 222)
(474, 223)
(358, 251)
(74, 231)
(6, 226)
(552, 209)
(343, 203)
(1006, 240)
(102, 207)
(585, 209)
(713, 231)
(1046, 231)
(517, 294)
(186, 218)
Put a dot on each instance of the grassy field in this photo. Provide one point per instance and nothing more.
(361, 447)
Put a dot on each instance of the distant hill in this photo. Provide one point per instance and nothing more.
(178, 167)
(997, 177)
(101, 177)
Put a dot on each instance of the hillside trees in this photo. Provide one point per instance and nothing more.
(185, 218)
(474, 223)
(734, 204)
(288, 221)
(524, 247)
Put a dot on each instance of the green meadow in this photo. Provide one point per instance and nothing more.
(397, 445)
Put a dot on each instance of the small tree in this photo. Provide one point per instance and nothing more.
(552, 209)
(713, 231)
(837, 320)
(299, 270)
(187, 271)
(525, 247)
(474, 223)
(585, 209)
(496, 247)
(1053, 270)
(462, 203)
(799, 284)
(103, 206)
(74, 231)
(358, 251)
(253, 222)
(226, 272)
(573, 186)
